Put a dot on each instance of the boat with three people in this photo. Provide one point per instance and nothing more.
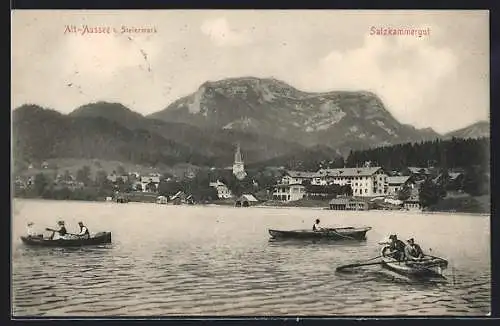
(61, 238)
(425, 266)
(405, 259)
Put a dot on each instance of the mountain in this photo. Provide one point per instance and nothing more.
(112, 131)
(340, 120)
(273, 122)
(476, 130)
(216, 143)
(40, 134)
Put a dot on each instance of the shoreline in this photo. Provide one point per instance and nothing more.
(230, 205)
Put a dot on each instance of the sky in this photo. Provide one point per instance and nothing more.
(439, 80)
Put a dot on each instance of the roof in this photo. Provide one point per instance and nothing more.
(302, 174)
(178, 194)
(454, 175)
(287, 185)
(350, 172)
(339, 201)
(398, 179)
(247, 197)
(217, 184)
(414, 169)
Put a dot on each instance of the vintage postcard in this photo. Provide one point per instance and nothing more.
(250, 163)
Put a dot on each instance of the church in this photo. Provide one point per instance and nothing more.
(238, 165)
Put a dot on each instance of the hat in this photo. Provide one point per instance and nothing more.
(80, 222)
(410, 240)
(60, 222)
(30, 223)
(392, 236)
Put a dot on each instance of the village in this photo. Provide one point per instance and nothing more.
(350, 188)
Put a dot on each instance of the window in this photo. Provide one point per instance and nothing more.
(366, 190)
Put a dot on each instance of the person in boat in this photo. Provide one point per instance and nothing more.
(30, 231)
(396, 247)
(316, 226)
(413, 250)
(59, 233)
(84, 231)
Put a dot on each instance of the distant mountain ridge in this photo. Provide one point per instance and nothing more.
(272, 121)
(476, 130)
(338, 119)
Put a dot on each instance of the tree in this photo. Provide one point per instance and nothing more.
(475, 183)
(41, 184)
(151, 187)
(346, 190)
(83, 175)
(100, 178)
(120, 170)
(67, 176)
(167, 188)
(404, 193)
(430, 193)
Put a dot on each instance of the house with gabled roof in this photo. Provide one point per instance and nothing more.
(364, 181)
(396, 183)
(298, 177)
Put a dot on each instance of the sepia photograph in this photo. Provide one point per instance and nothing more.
(256, 163)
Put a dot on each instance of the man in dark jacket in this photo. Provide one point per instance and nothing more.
(84, 231)
(397, 247)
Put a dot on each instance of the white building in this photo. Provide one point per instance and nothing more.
(238, 165)
(364, 181)
(396, 183)
(289, 192)
(298, 177)
(223, 191)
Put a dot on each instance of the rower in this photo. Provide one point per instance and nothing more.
(60, 233)
(316, 226)
(84, 231)
(413, 250)
(397, 247)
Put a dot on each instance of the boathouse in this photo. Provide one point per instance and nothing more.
(348, 204)
(245, 200)
(161, 200)
(412, 204)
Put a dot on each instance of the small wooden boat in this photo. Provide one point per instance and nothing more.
(341, 233)
(428, 266)
(97, 239)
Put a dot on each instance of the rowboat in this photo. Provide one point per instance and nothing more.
(428, 266)
(97, 239)
(341, 233)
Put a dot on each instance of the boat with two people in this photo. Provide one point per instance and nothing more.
(61, 238)
(319, 232)
(406, 259)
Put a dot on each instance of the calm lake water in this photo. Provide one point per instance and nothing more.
(194, 260)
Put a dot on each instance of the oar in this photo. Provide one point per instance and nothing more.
(357, 265)
(343, 236)
(49, 229)
(367, 264)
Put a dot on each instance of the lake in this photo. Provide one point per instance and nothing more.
(218, 261)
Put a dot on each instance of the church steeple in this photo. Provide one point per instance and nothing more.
(238, 165)
(237, 155)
